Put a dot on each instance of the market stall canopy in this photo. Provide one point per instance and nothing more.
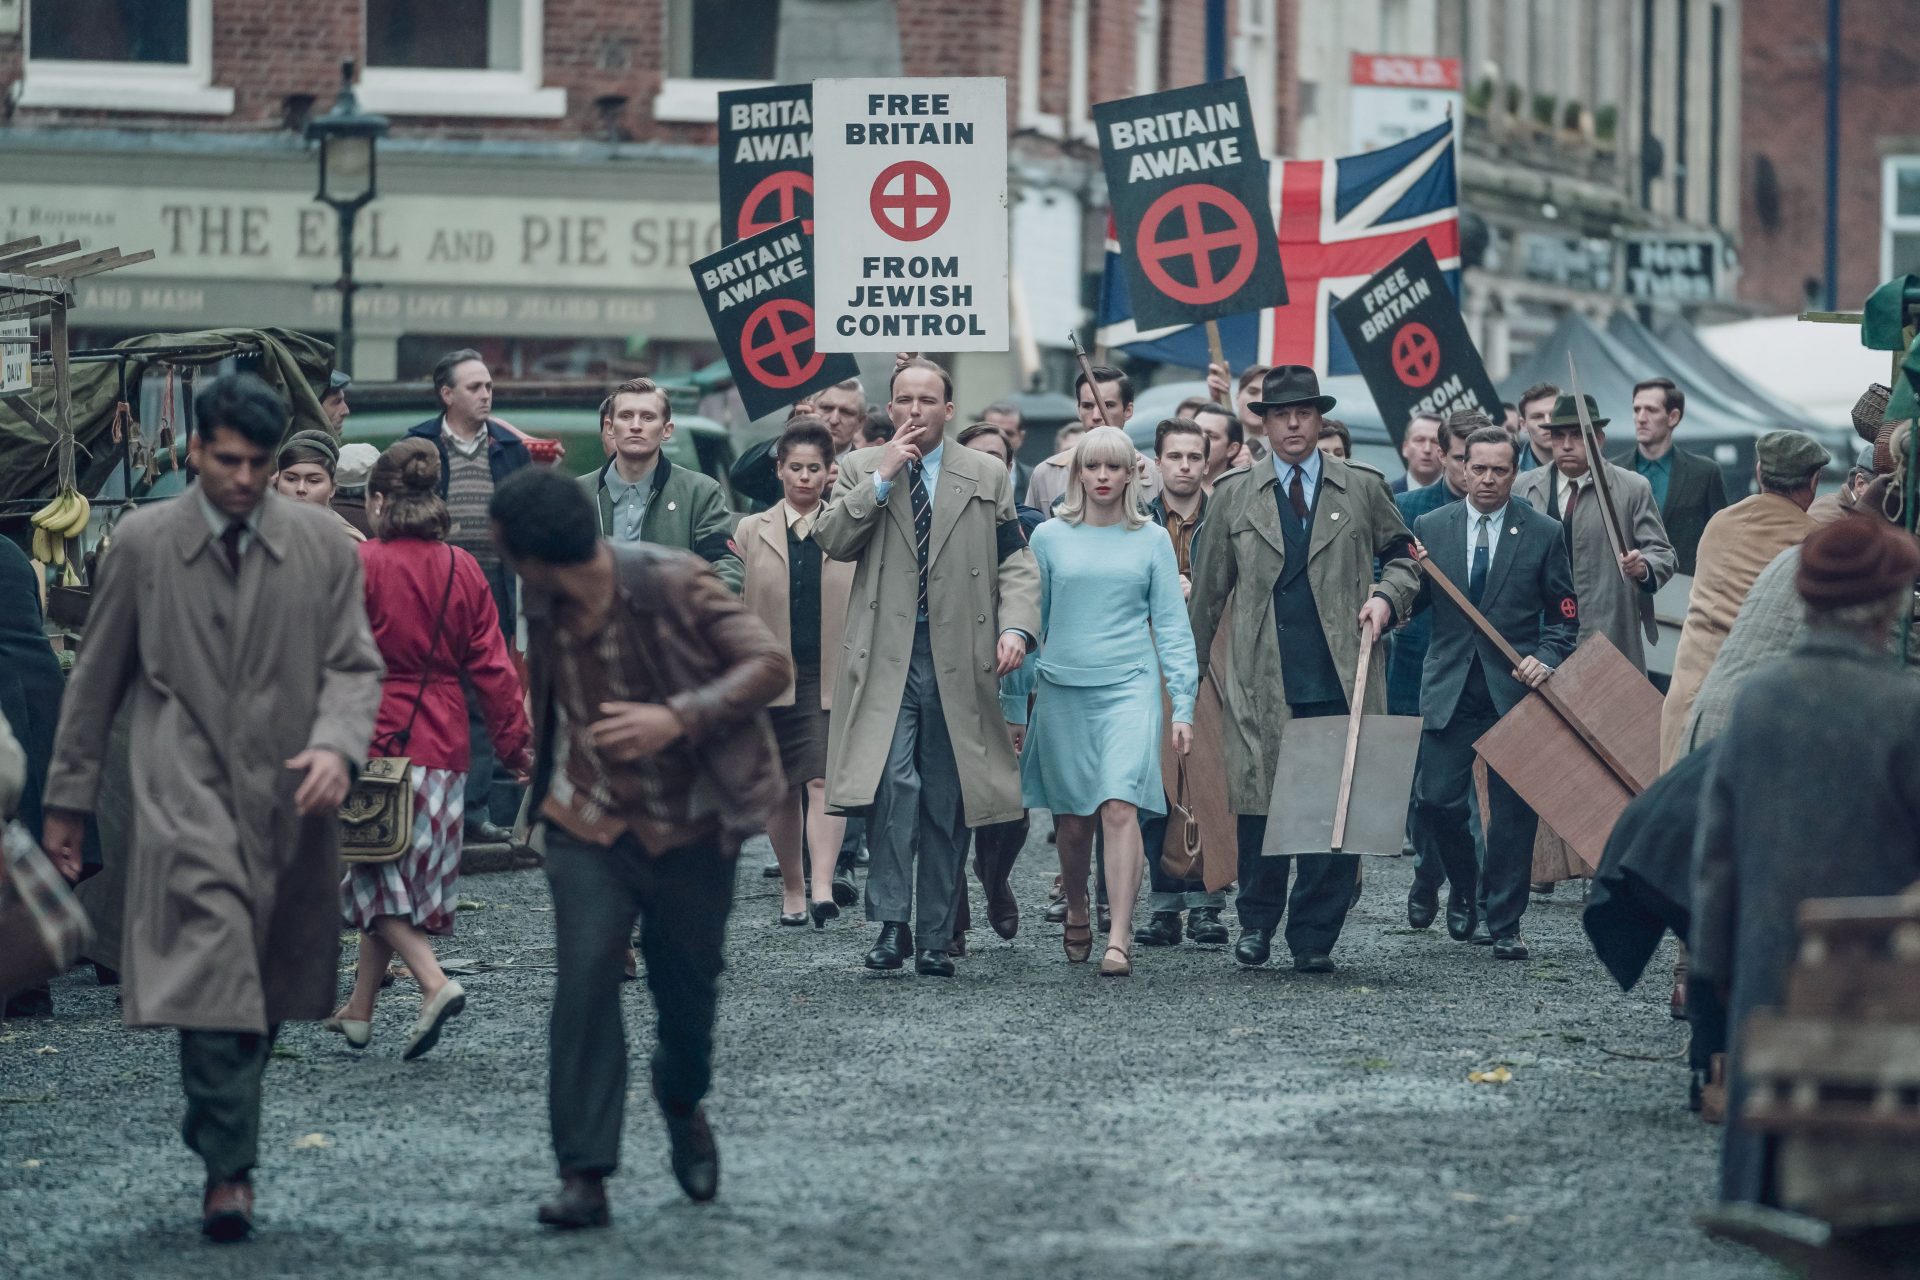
(291, 363)
(1703, 374)
(1820, 367)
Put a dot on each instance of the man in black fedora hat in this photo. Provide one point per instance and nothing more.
(1304, 586)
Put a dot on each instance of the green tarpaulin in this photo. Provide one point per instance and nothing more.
(291, 363)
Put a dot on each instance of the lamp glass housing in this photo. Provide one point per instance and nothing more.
(346, 169)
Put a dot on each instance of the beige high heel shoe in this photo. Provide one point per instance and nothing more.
(1110, 968)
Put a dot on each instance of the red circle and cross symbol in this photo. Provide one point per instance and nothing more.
(784, 191)
(775, 357)
(1416, 354)
(906, 191)
(1197, 245)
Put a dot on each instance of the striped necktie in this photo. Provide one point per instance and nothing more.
(922, 528)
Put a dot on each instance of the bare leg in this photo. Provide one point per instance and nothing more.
(371, 967)
(1074, 840)
(415, 950)
(783, 829)
(1120, 823)
(824, 834)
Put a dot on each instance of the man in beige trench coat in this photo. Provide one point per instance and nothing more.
(235, 622)
(1292, 541)
(946, 600)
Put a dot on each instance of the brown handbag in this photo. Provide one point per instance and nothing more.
(376, 820)
(1180, 851)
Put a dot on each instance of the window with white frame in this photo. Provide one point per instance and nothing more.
(121, 55)
(713, 46)
(1146, 46)
(1255, 57)
(457, 58)
(1900, 222)
(1037, 53)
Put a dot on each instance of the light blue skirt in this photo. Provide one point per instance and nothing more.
(1088, 743)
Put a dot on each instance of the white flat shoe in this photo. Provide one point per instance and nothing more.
(446, 1002)
(359, 1034)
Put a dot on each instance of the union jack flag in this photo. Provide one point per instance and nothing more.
(1340, 221)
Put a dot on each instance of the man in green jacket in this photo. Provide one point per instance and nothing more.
(640, 496)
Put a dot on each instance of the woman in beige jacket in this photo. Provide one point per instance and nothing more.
(802, 597)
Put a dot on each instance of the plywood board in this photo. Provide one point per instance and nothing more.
(1306, 784)
(1669, 613)
(1556, 770)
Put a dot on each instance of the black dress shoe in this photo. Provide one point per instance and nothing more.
(104, 976)
(1205, 927)
(957, 946)
(890, 951)
(582, 1202)
(845, 891)
(1512, 947)
(1423, 904)
(794, 920)
(823, 912)
(933, 964)
(1540, 888)
(34, 1002)
(1057, 912)
(696, 1161)
(1461, 916)
(1003, 909)
(1313, 962)
(480, 831)
(1482, 937)
(1162, 929)
(1254, 947)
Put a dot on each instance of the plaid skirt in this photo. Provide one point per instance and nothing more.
(420, 885)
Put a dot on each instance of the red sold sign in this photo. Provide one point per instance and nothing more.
(764, 338)
(1196, 245)
(905, 191)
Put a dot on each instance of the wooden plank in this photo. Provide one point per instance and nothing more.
(1777, 1045)
(1582, 745)
(1306, 786)
(1597, 464)
(39, 253)
(1861, 989)
(12, 247)
(1355, 714)
(1885, 912)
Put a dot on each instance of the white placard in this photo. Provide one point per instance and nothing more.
(16, 358)
(910, 214)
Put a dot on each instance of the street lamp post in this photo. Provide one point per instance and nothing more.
(348, 139)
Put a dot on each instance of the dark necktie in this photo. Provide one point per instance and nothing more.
(1297, 496)
(230, 542)
(1573, 500)
(1482, 558)
(922, 528)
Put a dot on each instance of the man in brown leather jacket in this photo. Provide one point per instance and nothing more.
(653, 761)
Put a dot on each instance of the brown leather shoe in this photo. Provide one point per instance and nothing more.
(582, 1202)
(226, 1214)
(1677, 1002)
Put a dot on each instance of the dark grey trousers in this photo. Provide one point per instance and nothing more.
(681, 900)
(918, 811)
(221, 1073)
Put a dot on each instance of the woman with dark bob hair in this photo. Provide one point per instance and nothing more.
(435, 623)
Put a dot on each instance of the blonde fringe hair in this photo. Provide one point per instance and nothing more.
(1105, 444)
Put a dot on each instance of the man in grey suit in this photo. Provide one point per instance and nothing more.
(1513, 563)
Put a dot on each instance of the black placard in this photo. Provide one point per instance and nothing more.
(1189, 196)
(759, 296)
(766, 158)
(1405, 330)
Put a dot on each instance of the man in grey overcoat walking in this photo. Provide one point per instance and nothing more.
(946, 600)
(234, 621)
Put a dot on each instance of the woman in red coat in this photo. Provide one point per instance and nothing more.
(434, 620)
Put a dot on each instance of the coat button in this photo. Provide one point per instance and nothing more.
(975, 572)
(863, 653)
(981, 618)
(873, 604)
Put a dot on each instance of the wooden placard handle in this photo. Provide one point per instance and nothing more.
(1086, 370)
(1602, 484)
(1545, 690)
(1355, 704)
(1218, 354)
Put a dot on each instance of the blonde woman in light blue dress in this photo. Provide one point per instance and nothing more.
(1110, 603)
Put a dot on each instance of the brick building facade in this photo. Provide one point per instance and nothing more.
(549, 172)
(1783, 165)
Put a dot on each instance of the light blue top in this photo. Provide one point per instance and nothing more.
(1109, 597)
(930, 463)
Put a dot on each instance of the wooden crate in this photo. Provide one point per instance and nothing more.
(1859, 960)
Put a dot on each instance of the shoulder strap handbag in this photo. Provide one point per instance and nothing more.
(1180, 852)
(376, 820)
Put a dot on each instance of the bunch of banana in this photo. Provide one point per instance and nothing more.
(65, 517)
